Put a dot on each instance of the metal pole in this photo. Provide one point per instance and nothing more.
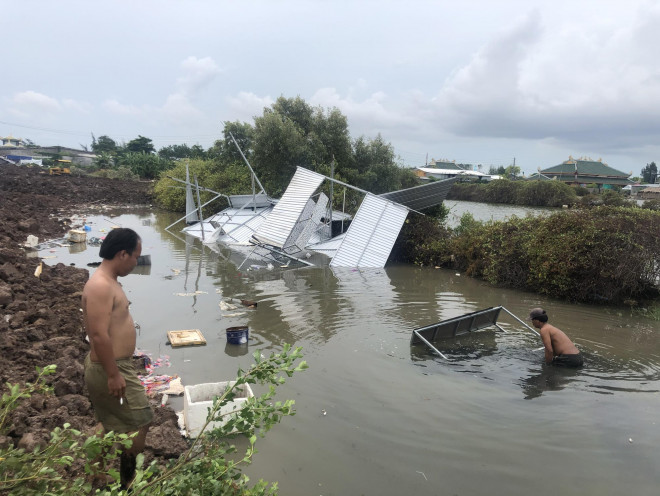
(343, 211)
(429, 345)
(523, 323)
(332, 174)
(177, 221)
(248, 164)
(199, 202)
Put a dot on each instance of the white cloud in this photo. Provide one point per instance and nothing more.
(76, 106)
(580, 83)
(32, 102)
(198, 74)
(245, 105)
(115, 107)
(178, 109)
(375, 110)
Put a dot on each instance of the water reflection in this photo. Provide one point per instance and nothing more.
(77, 247)
(549, 378)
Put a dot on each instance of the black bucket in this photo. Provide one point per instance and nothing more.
(238, 335)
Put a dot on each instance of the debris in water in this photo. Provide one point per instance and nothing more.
(190, 294)
(224, 306)
(237, 314)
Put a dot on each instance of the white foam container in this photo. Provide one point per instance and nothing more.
(198, 399)
(77, 236)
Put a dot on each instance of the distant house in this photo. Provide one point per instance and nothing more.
(10, 141)
(427, 173)
(651, 192)
(444, 169)
(585, 171)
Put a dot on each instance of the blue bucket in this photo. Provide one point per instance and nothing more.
(238, 335)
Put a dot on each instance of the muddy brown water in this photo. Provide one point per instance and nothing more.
(376, 416)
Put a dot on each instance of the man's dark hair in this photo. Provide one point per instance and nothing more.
(117, 240)
(538, 314)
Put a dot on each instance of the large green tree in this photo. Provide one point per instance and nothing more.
(104, 144)
(140, 145)
(650, 173)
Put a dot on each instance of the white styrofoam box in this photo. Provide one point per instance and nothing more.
(77, 236)
(198, 399)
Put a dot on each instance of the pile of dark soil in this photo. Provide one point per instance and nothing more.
(40, 317)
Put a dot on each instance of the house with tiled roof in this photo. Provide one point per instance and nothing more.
(586, 171)
(10, 141)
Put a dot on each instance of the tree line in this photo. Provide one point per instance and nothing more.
(288, 134)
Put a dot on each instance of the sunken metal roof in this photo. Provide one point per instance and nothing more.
(421, 197)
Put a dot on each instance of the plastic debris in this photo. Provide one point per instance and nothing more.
(224, 306)
(237, 314)
(191, 294)
(37, 272)
(154, 384)
(32, 241)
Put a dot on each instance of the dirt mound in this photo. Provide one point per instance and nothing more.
(40, 317)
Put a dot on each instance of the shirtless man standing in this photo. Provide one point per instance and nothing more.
(119, 400)
(559, 349)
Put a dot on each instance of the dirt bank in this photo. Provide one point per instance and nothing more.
(40, 318)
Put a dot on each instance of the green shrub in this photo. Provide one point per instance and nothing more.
(602, 254)
(228, 179)
(532, 193)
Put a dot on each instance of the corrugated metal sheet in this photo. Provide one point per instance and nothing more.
(230, 226)
(246, 201)
(328, 247)
(281, 221)
(307, 225)
(421, 197)
(370, 237)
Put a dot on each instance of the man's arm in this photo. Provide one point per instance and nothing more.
(547, 343)
(99, 304)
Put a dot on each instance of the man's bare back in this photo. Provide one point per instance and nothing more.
(555, 342)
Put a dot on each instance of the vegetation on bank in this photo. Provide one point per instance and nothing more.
(212, 465)
(534, 193)
(602, 254)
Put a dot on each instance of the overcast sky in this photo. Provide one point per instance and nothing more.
(479, 82)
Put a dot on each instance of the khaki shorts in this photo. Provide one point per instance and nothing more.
(135, 411)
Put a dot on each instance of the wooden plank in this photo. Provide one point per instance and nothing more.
(186, 337)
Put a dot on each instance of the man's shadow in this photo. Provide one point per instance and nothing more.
(550, 378)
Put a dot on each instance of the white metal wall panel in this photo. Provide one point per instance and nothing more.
(312, 224)
(279, 224)
(370, 237)
(303, 220)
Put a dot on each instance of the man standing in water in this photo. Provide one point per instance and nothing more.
(559, 349)
(119, 400)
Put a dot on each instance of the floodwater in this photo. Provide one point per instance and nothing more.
(490, 211)
(376, 416)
